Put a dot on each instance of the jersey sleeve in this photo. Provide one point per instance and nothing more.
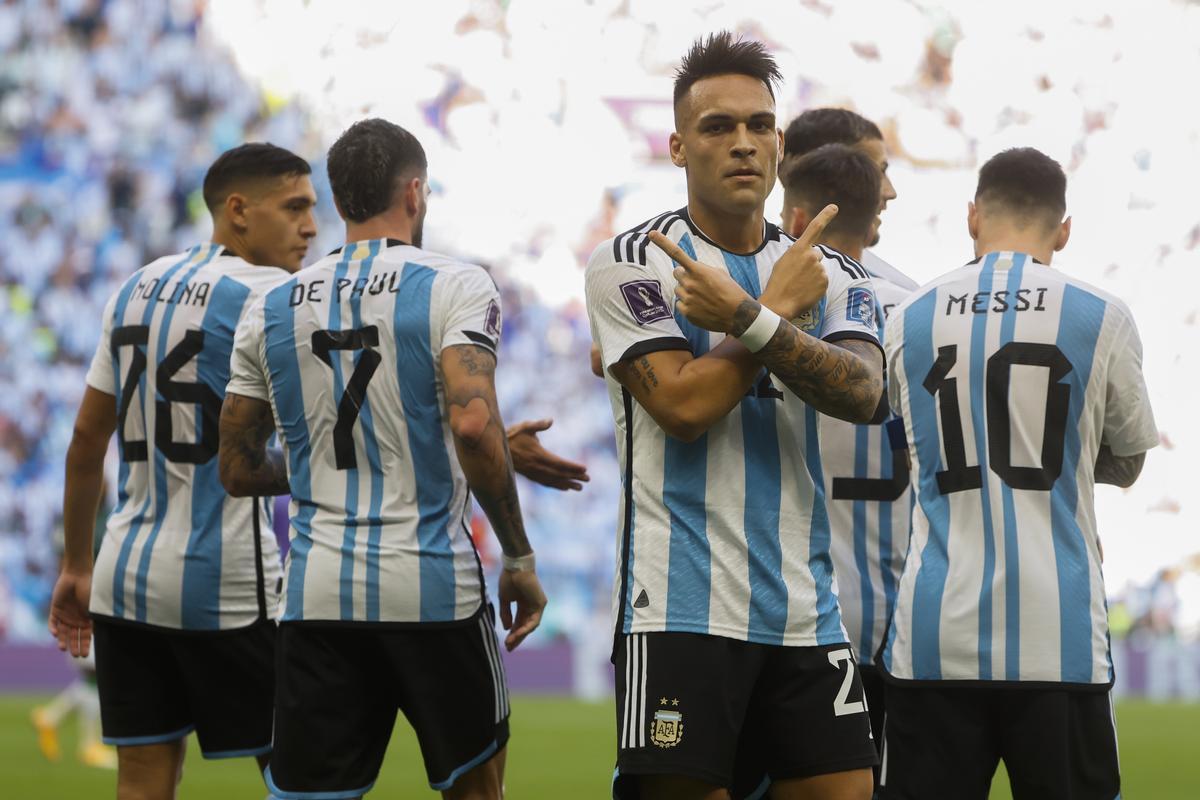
(247, 367)
(851, 310)
(100, 374)
(472, 310)
(1129, 427)
(629, 309)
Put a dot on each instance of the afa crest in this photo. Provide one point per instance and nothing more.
(666, 729)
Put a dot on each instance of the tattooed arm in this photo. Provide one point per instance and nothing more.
(468, 375)
(248, 468)
(842, 379)
(688, 395)
(1118, 470)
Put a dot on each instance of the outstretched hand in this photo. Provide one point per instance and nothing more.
(539, 464)
(707, 296)
(798, 280)
(69, 619)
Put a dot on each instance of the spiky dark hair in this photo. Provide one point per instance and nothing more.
(722, 54)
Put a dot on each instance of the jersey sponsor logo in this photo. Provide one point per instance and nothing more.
(491, 322)
(643, 600)
(860, 306)
(666, 729)
(645, 301)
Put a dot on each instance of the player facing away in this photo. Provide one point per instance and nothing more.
(1020, 387)
(866, 478)
(184, 585)
(376, 367)
(727, 633)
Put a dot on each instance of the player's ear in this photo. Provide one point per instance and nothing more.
(972, 219)
(1064, 233)
(799, 221)
(236, 206)
(678, 156)
(414, 195)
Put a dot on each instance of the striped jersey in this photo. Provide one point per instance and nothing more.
(179, 552)
(727, 535)
(1009, 375)
(867, 494)
(348, 353)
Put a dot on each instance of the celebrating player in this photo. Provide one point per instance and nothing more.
(866, 479)
(728, 633)
(184, 584)
(376, 365)
(1021, 387)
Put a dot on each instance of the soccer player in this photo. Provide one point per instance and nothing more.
(727, 628)
(183, 589)
(1021, 387)
(866, 477)
(376, 366)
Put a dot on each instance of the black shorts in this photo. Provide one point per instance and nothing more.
(876, 694)
(157, 685)
(947, 742)
(730, 713)
(340, 686)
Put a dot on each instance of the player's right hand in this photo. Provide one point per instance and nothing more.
(524, 589)
(69, 619)
(798, 280)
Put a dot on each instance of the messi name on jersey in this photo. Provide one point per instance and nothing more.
(997, 302)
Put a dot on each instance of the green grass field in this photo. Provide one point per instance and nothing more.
(560, 749)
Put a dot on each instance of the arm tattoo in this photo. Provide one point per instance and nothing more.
(1118, 470)
(245, 457)
(639, 370)
(485, 458)
(843, 380)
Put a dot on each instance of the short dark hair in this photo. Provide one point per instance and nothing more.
(248, 162)
(366, 164)
(1026, 182)
(841, 174)
(820, 126)
(721, 54)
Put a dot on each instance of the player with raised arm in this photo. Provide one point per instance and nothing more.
(184, 585)
(376, 367)
(1020, 387)
(866, 467)
(727, 628)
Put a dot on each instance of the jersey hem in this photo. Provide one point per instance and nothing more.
(376, 625)
(976, 683)
(751, 638)
(647, 346)
(109, 619)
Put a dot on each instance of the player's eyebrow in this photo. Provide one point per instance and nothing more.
(725, 116)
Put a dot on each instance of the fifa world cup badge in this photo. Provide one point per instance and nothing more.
(666, 729)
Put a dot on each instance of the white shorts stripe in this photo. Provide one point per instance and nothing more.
(488, 636)
(642, 693)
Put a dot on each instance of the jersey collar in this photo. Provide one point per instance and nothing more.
(388, 242)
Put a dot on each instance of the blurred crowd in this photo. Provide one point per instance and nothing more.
(545, 124)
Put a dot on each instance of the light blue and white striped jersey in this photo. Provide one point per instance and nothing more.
(867, 494)
(348, 353)
(727, 535)
(178, 552)
(1009, 375)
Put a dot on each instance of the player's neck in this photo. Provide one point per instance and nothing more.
(1015, 241)
(844, 244)
(384, 226)
(737, 234)
(234, 245)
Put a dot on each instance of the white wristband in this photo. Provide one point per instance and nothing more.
(524, 563)
(761, 330)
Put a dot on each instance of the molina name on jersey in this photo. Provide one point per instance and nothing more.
(867, 493)
(726, 535)
(348, 353)
(178, 552)
(1009, 375)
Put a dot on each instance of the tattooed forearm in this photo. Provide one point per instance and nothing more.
(482, 443)
(1118, 470)
(843, 380)
(247, 466)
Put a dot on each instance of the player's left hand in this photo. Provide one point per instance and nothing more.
(524, 589)
(539, 464)
(69, 619)
(707, 296)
